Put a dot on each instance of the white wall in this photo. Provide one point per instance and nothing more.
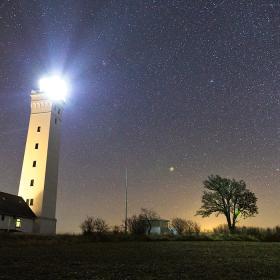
(155, 230)
(45, 226)
(47, 115)
(10, 223)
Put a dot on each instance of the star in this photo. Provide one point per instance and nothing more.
(171, 168)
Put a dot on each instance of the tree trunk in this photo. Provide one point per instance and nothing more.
(233, 223)
(232, 229)
(230, 226)
(149, 227)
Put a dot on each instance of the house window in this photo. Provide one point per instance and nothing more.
(31, 182)
(36, 146)
(34, 163)
(39, 129)
(18, 223)
(2, 217)
(27, 201)
(31, 202)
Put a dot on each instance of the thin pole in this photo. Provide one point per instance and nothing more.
(125, 221)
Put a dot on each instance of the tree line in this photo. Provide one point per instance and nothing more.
(139, 224)
(221, 196)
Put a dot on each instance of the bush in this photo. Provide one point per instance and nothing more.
(221, 229)
(137, 225)
(93, 225)
(185, 227)
(247, 233)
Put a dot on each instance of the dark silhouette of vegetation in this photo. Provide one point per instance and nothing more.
(136, 225)
(185, 227)
(249, 233)
(220, 233)
(228, 197)
(221, 229)
(117, 229)
(179, 225)
(141, 224)
(148, 215)
(92, 225)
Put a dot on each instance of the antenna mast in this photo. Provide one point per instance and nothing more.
(125, 221)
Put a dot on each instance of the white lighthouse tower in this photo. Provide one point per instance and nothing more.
(39, 176)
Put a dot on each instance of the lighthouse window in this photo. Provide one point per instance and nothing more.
(31, 202)
(2, 217)
(34, 163)
(27, 201)
(58, 111)
(55, 120)
(38, 128)
(36, 146)
(32, 182)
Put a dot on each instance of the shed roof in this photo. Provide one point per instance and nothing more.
(13, 205)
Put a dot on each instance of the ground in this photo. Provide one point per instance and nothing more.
(139, 260)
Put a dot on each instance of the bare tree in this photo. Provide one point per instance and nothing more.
(136, 225)
(87, 225)
(228, 197)
(192, 227)
(183, 226)
(148, 215)
(94, 225)
(180, 225)
(100, 226)
(142, 223)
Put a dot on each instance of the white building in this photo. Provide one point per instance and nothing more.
(39, 176)
(15, 214)
(159, 226)
(33, 210)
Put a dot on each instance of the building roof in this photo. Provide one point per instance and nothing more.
(13, 205)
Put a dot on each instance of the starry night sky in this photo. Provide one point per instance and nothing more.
(192, 85)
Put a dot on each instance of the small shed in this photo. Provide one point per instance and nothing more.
(159, 226)
(15, 214)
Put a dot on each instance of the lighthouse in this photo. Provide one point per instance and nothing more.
(39, 176)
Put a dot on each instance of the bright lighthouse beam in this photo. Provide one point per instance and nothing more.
(54, 86)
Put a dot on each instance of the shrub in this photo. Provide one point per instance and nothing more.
(93, 225)
(117, 229)
(247, 233)
(221, 229)
(137, 225)
(185, 227)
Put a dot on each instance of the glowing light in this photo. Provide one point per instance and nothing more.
(171, 168)
(18, 223)
(54, 86)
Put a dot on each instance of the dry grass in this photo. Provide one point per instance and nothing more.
(74, 258)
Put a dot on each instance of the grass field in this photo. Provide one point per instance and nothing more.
(139, 260)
